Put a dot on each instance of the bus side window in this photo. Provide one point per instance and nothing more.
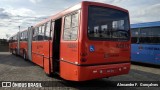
(52, 29)
(26, 35)
(21, 38)
(35, 33)
(135, 35)
(40, 35)
(47, 31)
(67, 27)
(74, 25)
(71, 27)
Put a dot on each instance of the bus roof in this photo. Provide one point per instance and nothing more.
(76, 7)
(147, 24)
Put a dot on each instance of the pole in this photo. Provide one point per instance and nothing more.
(19, 28)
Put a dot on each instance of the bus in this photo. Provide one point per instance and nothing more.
(145, 47)
(88, 41)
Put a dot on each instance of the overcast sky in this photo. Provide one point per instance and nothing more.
(24, 13)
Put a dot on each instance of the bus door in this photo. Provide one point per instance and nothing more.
(29, 51)
(56, 45)
(69, 46)
(48, 47)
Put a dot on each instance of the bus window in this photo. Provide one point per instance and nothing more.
(71, 27)
(96, 30)
(74, 26)
(67, 26)
(75, 20)
(35, 35)
(40, 35)
(135, 32)
(47, 31)
(26, 36)
(21, 38)
(52, 29)
(150, 35)
(105, 31)
(117, 24)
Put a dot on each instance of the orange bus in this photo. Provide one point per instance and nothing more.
(87, 41)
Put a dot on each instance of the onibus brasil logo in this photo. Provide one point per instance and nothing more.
(21, 84)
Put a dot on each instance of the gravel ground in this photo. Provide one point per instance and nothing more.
(13, 68)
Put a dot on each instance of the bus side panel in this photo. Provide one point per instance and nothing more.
(23, 47)
(34, 49)
(46, 65)
(40, 54)
(145, 53)
(47, 59)
(69, 54)
(139, 54)
(36, 57)
(68, 71)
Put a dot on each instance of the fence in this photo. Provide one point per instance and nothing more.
(4, 45)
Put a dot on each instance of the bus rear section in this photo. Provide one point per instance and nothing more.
(103, 45)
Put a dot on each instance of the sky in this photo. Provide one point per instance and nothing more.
(25, 13)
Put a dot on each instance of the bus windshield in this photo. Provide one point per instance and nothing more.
(107, 24)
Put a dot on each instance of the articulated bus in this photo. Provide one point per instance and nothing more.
(87, 41)
(146, 43)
